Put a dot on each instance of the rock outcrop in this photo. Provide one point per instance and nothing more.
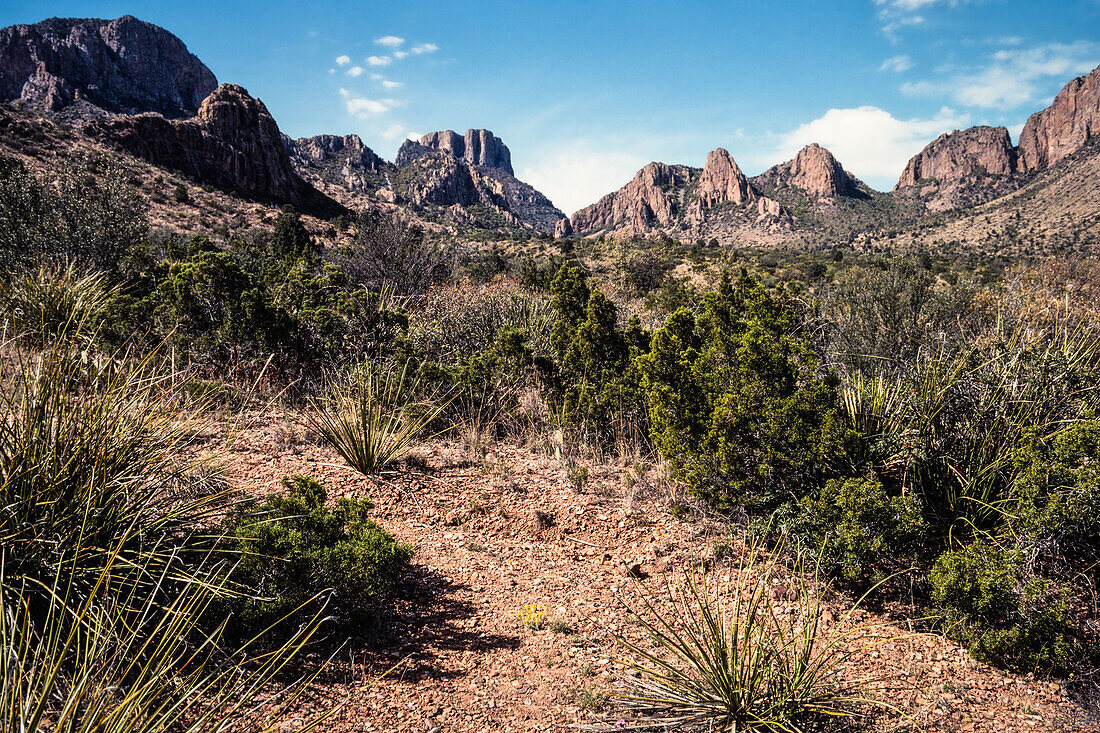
(478, 147)
(563, 229)
(232, 143)
(818, 173)
(101, 67)
(341, 160)
(976, 152)
(1072, 120)
(722, 181)
(643, 204)
(446, 169)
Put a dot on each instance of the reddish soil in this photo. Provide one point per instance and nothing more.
(497, 532)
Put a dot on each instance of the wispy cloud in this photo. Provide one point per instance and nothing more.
(868, 141)
(389, 41)
(422, 48)
(1011, 77)
(400, 54)
(354, 71)
(893, 15)
(343, 60)
(897, 64)
(365, 108)
(386, 83)
(379, 60)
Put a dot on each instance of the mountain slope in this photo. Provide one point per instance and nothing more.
(97, 67)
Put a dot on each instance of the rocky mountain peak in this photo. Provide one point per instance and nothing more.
(817, 172)
(477, 147)
(953, 156)
(232, 143)
(723, 181)
(121, 66)
(1072, 119)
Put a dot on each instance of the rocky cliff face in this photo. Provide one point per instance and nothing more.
(970, 153)
(962, 168)
(232, 143)
(818, 173)
(445, 169)
(1072, 120)
(121, 66)
(670, 197)
(723, 181)
(647, 202)
(342, 160)
(477, 147)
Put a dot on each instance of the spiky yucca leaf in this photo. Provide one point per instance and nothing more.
(371, 417)
(729, 658)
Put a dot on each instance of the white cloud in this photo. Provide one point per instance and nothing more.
(343, 60)
(893, 15)
(332, 71)
(389, 41)
(868, 141)
(354, 71)
(365, 108)
(391, 84)
(897, 63)
(377, 77)
(396, 131)
(1012, 77)
(379, 60)
(425, 48)
(579, 175)
(400, 54)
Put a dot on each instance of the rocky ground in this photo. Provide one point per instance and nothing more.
(499, 530)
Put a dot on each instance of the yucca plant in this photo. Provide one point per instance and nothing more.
(111, 581)
(127, 656)
(372, 415)
(90, 460)
(727, 656)
(52, 300)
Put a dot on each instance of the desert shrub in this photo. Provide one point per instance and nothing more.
(864, 533)
(290, 240)
(736, 403)
(293, 547)
(1004, 617)
(460, 319)
(598, 388)
(87, 215)
(1054, 502)
(729, 656)
(387, 251)
(373, 413)
(107, 575)
(51, 301)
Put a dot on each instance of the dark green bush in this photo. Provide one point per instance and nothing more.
(736, 403)
(865, 534)
(294, 547)
(1003, 616)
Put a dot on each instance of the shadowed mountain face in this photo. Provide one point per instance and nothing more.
(232, 143)
(121, 66)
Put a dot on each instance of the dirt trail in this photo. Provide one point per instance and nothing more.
(497, 534)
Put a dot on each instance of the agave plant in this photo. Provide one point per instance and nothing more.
(371, 416)
(728, 657)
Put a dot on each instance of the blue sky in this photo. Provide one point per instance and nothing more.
(585, 93)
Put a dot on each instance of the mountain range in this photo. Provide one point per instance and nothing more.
(133, 88)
